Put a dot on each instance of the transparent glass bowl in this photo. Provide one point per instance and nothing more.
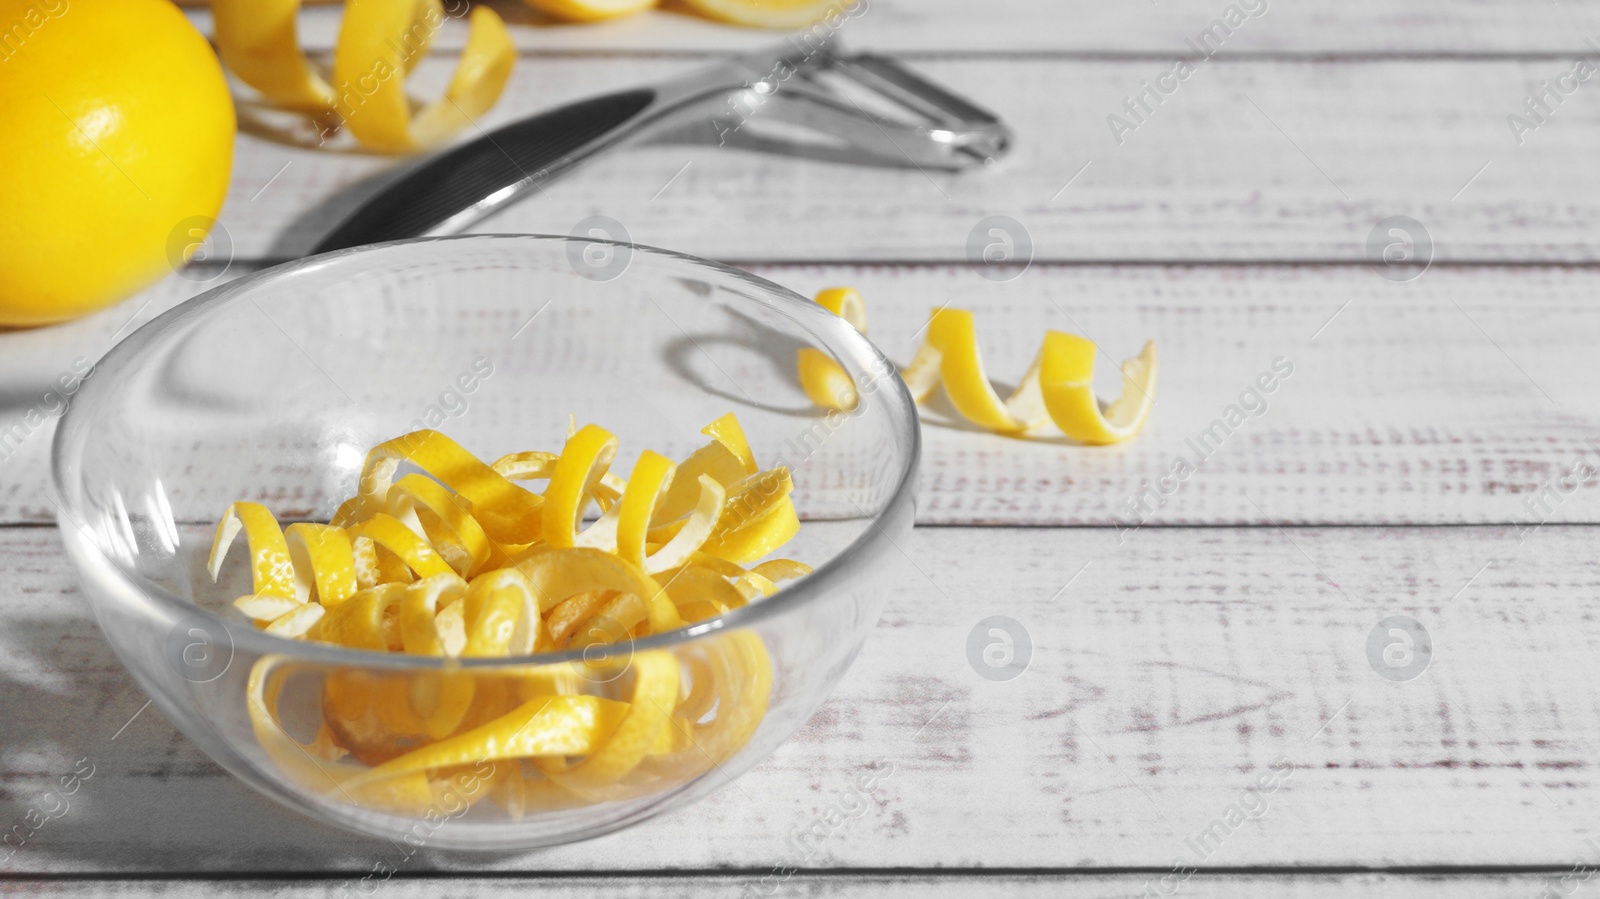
(272, 388)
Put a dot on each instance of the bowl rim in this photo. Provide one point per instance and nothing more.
(828, 329)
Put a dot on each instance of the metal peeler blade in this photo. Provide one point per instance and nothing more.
(807, 86)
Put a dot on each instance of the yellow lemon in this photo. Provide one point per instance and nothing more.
(779, 13)
(117, 140)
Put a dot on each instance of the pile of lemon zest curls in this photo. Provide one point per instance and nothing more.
(460, 561)
(378, 45)
(1058, 387)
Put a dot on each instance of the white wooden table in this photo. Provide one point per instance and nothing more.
(1172, 665)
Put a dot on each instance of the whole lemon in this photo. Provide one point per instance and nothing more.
(116, 136)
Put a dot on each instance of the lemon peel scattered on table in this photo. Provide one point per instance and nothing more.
(459, 561)
(1058, 387)
(1066, 376)
(379, 43)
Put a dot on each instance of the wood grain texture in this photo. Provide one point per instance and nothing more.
(1069, 26)
(1247, 160)
(892, 886)
(1165, 678)
(1465, 396)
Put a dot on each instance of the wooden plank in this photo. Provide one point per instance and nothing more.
(1458, 398)
(1068, 26)
(894, 886)
(1165, 678)
(1247, 160)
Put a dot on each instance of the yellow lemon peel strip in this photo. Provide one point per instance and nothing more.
(296, 621)
(1058, 387)
(568, 616)
(733, 674)
(263, 690)
(528, 466)
(650, 478)
(562, 573)
(379, 42)
(825, 382)
(359, 621)
(696, 584)
(324, 562)
(420, 633)
(646, 486)
(577, 473)
(1066, 380)
(758, 538)
(727, 431)
(726, 459)
(386, 531)
(534, 466)
(476, 84)
(502, 615)
(692, 536)
(655, 692)
(258, 40)
(266, 607)
(951, 347)
(271, 571)
(446, 520)
(554, 725)
(757, 518)
(508, 513)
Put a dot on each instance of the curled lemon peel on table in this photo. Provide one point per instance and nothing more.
(460, 561)
(379, 42)
(1057, 388)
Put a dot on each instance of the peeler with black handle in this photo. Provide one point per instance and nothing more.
(814, 88)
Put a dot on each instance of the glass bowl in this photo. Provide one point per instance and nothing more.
(272, 388)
